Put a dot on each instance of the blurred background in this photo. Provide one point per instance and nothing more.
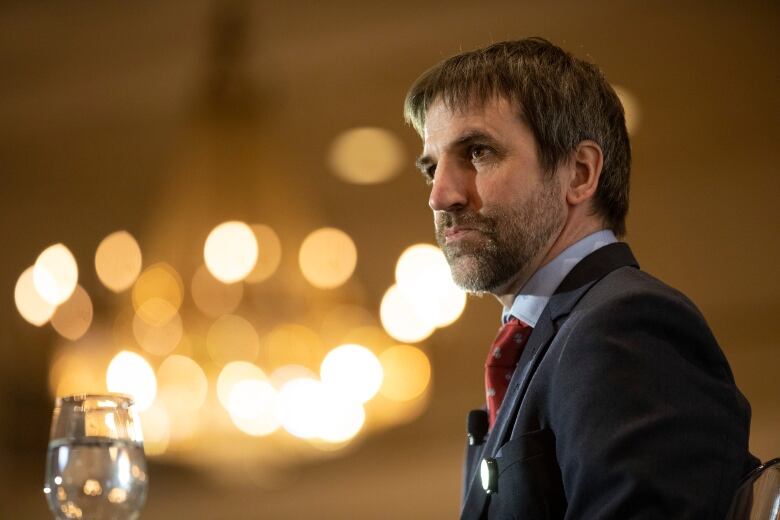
(220, 201)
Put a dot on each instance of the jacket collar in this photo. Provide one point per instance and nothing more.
(590, 270)
(585, 274)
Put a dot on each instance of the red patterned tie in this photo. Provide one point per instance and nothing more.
(501, 362)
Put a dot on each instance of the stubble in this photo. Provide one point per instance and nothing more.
(508, 240)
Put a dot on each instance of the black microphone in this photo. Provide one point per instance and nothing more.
(477, 426)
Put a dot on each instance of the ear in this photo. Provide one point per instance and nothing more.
(587, 160)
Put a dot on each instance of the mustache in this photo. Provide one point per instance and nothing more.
(447, 220)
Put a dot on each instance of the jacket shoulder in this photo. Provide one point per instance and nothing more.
(635, 386)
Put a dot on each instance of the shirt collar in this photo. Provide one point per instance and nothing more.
(533, 297)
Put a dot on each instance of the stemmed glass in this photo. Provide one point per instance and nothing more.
(95, 469)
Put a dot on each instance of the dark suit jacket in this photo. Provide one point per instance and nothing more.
(622, 406)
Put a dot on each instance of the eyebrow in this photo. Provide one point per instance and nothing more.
(468, 138)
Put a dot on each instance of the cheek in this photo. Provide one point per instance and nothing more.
(493, 192)
(502, 198)
(513, 183)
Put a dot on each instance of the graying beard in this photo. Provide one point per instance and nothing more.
(503, 265)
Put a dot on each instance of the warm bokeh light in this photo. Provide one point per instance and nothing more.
(129, 373)
(341, 419)
(157, 294)
(157, 338)
(55, 274)
(400, 319)
(181, 383)
(309, 409)
(327, 258)
(291, 344)
(213, 297)
(122, 326)
(185, 427)
(232, 338)
(234, 372)
(353, 371)
(341, 320)
(80, 368)
(118, 261)
(92, 488)
(284, 374)
(300, 407)
(29, 303)
(407, 372)
(423, 274)
(389, 413)
(322, 397)
(366, 155)
(73, 318)
(191, 345)
(72, 374)
(230, 252)
(117, 495)
(633, 112)
(415, 262)
(252, 405)
(269, 253)
(156, 427)
(373, 338)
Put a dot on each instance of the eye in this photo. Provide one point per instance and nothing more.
(478, 152)
(428, 173)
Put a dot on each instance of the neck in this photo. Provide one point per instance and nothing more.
(574, 230)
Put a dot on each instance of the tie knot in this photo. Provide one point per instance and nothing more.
(514, 325)
(509, 343)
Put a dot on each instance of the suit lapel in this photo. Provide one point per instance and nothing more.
(533, 352)
(584, 275)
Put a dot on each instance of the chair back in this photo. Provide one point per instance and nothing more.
(758, 497)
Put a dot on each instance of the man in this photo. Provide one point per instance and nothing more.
(621, 404)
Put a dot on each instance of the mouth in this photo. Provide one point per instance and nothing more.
(458, 232)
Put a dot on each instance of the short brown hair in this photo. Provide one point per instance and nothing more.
(564, 101)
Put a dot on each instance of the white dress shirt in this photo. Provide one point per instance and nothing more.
(533, 297)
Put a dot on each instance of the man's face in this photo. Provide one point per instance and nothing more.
(496, 212)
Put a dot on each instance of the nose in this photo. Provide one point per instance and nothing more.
(450, 189)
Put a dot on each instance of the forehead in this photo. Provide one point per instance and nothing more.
(496, 117)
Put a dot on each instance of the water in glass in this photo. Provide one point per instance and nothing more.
(95, 468)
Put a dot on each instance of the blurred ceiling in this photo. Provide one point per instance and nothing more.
(105, 108)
